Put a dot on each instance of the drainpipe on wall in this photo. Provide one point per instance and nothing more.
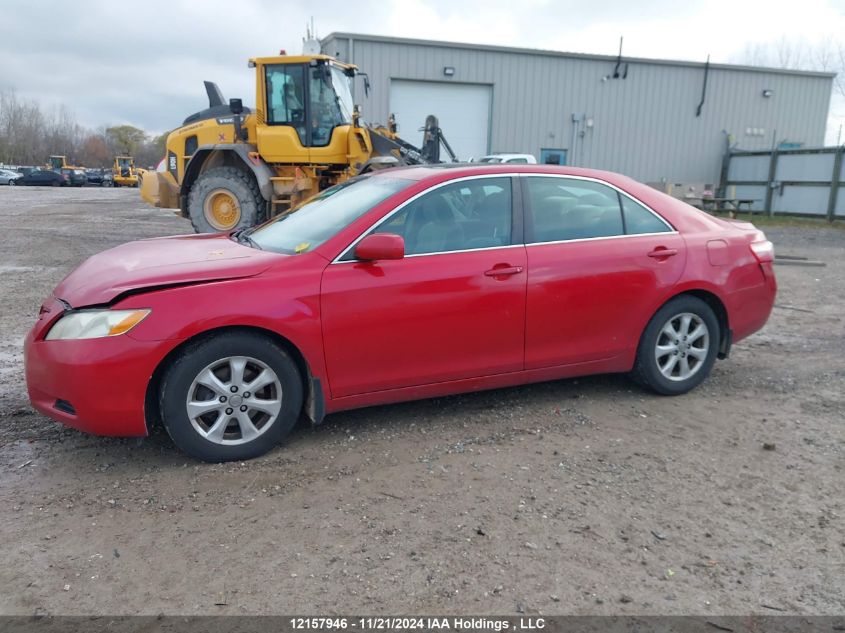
(351, 55)
(576, 119)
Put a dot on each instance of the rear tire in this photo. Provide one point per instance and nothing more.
(678, 347)
(224, 199)
(252, 401)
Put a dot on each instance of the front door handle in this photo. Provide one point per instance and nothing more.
(504, 271)
(660, 252)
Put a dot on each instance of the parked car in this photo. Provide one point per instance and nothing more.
(46, 178)
(510, 159)
(76, 177)
(9, 177)
(405, 284)
(101, 177)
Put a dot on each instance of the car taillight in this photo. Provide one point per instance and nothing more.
(764, 251)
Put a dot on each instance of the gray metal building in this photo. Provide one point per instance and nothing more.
(636, 116)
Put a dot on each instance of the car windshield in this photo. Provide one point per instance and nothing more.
(325, 214)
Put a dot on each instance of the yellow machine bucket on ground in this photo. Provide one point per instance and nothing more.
(158, 191)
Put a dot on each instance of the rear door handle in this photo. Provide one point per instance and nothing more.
(657, 253)
(504, 271)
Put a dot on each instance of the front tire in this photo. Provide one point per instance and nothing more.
(678, 347)
(224, 199)
(231, 397)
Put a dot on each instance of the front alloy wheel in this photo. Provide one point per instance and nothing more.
(234, 400)
(230, 396)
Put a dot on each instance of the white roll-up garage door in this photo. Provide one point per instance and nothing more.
(463, 111)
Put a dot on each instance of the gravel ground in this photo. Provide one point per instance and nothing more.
(584, 496)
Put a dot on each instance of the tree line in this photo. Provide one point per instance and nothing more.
(29, 134)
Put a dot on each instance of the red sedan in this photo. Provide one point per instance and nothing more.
(406, 284)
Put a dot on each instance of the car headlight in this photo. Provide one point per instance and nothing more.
(95, 324)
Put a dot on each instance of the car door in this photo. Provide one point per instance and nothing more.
(597, 260)
(452, 308)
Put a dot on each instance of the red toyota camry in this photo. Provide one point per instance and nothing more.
(406, 284)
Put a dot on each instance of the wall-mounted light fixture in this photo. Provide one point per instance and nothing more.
(449, 71)
(767, 93)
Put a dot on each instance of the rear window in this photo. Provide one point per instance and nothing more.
(570, 209)
(640, 220)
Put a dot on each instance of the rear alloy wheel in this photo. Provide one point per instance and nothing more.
(679, 346)
(224, 199)
(231, 397)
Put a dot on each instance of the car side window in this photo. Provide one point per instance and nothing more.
(571, 209)
(464, 215)
(640, 220)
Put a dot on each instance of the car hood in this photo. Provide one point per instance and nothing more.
(157, 263)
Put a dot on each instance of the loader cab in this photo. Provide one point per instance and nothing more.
(58, 162)
(124, 165)
(307, 109)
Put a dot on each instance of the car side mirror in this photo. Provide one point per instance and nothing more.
(380, 246)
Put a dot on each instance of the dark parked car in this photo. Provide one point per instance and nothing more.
(101, 177)
(76, 177)
(45, 178)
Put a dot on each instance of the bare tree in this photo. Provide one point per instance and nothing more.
(827, 55)
(30, 134)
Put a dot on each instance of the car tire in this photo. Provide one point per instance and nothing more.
(224, 199)
(678, 347)
(204, 391)
(12, 182)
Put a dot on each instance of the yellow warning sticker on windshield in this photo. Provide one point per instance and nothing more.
(302, 247)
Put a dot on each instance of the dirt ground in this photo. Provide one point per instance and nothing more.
(584, 496)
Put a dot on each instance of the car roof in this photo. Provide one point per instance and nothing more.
(505, 156)
(451, 171)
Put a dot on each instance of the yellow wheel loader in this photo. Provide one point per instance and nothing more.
(57, 163)
(124, 172)
(230, 167)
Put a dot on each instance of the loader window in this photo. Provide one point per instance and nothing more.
(285, 97)
(330, 103)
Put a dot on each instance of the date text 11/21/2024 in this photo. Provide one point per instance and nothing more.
(456, 623)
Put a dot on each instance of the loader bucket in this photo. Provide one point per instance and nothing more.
(158, 191)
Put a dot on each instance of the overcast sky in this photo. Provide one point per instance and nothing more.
(143, 63)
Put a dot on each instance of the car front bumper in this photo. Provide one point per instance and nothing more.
(96, 385)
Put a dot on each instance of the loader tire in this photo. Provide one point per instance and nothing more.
(224, 199)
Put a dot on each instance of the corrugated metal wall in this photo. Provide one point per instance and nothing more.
(644, 126)
(810, 182)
